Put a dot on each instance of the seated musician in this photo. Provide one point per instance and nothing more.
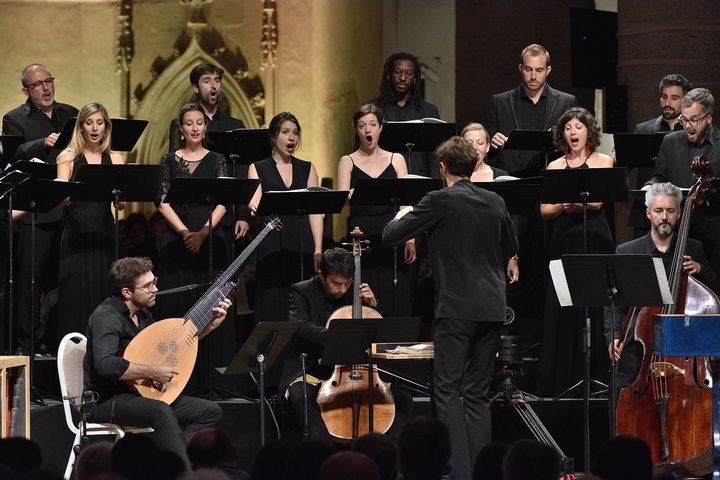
(663, 202)
(312, 302)
(113, 324)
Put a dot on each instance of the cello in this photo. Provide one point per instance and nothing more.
(343, 398)
(669, 404)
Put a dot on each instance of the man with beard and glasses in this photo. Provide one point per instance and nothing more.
(663, 202)
(672, 89)
(39, 122)
(678, 149)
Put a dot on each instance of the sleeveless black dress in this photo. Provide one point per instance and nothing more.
(377, 264)
(561, 349)
(278, 256)
(87, 248)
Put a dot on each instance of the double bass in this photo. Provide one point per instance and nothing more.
(343, 398)
(669, 404)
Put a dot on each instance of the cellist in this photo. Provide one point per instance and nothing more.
(312, 302)
(663, 210)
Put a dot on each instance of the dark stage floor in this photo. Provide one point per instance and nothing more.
(241, 421)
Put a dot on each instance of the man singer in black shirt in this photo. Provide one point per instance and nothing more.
(112, 326)
(471, 239)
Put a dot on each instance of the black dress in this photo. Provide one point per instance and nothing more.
(87, 248)
(561, 349)
(177, 265)
(278, 255)
(377, 264)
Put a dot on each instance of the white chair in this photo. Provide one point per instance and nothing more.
(70, 358)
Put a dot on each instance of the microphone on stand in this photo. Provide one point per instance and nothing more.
(184, 288)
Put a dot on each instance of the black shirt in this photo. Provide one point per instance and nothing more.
(33, 125)
(110, 330)
(532, 114)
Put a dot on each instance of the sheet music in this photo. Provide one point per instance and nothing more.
(663, 282)
(560, 281)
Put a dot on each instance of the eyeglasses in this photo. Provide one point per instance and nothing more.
(39, 84)
(399, 71)
(693, 122)
(148, 286)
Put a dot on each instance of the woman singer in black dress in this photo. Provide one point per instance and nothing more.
(185, 248)
(278, 256)
(370, 161)
(561, 356)
(87, 242)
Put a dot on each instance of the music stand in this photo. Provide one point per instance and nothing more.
(39, 195)
(531, 140)
(610, 281)
(314, 200)
(118, 183)
(415, 136)
(10, 145)
(586, 185)
(125, 133)
(394, 192)
(8, 182)
(211, 191)
(247, 145)
(349, 341)
(258, 354)
(637, 149)
(521, 196)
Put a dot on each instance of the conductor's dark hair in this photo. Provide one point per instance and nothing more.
(386, 93)
(188, 107)
(204, 69)
(586, 118)
(276, 123)
(125, 271)
(337, 261)
(458, 155)
(675, 80)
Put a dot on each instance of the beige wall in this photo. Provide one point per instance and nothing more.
(329, 60)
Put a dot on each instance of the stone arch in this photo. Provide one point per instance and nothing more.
(170, 89)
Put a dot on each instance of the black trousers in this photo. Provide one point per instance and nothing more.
(174, 424)
(464, 365)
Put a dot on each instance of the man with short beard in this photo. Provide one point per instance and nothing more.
(663, 202)
(678, 149)
(39, 122)
(672, 89)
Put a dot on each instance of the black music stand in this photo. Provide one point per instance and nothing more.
(584, 185)
(313, 200)
(125, 133)
(39, 196)
(637, 150)
(394, 192)
(118, 183)
(10, 145)
(8, 182)
(532, 140)
(247, 145)
(521, 196)
(610, 281)
(211, 191)
(258, 354)
(349, 341)
(414, 136)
